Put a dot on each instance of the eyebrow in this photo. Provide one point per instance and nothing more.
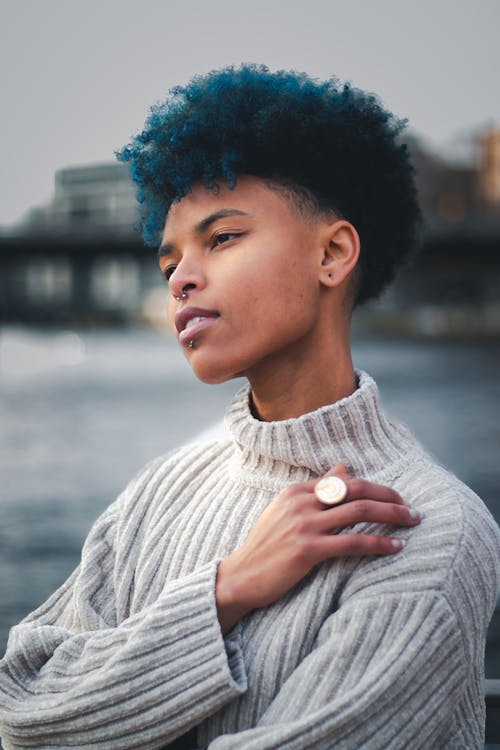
(202, 226)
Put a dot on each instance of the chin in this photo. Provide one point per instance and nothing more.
(213, 373)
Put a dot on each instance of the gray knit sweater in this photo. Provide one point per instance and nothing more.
(381, 652)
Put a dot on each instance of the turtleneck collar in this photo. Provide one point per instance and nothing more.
(354, 430)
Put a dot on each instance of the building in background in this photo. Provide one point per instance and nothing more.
(81, 258)
(489, 169)
(92, 199)
(463, 192)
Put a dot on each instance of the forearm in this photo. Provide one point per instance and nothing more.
(137, 685)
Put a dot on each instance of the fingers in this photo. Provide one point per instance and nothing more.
(366, 502)
(364, 511)
(375, 504)
(349, 545)
(357, 489)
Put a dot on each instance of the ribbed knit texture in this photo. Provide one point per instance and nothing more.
(375, 653)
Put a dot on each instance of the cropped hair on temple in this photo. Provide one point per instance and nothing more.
(329, 146)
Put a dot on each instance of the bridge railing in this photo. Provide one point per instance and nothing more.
(492, 695)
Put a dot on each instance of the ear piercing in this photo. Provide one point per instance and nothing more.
(182, 296)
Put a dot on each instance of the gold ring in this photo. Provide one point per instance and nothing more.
(330, 490)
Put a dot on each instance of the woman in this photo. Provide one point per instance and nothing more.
(229, 599)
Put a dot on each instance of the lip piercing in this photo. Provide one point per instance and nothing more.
(191, 344)
(182, 296)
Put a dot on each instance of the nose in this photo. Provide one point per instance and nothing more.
(186, 277)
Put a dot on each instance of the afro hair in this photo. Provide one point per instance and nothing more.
(329, 141)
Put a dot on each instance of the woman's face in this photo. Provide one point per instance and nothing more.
(249, 265)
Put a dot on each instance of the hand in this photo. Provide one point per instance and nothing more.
(295, 533)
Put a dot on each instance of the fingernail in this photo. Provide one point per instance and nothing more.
(398, 543)
(414, 514)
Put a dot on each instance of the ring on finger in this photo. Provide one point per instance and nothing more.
(330, 490)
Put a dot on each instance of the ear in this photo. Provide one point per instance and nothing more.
(340, 253)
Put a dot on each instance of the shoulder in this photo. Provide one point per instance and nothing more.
(166, 477)
(148, 506)
(159, 482)
(457, 535)
(454, 551)
(461, 539)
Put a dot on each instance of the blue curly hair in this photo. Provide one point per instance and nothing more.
(328, 145)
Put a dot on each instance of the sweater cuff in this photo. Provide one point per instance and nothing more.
(217, 660)
(232, 645)
(235, 661)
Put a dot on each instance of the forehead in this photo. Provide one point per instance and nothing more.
(250, 197)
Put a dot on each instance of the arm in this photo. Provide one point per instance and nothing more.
(387, 673)
(78, 671)
(74, 674)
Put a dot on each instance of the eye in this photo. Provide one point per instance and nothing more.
(168, 271)
(220, 239)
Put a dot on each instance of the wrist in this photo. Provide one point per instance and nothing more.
(229, 595)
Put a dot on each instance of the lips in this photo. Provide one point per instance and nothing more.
(191, 320)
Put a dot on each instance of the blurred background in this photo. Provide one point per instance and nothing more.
(92, 385)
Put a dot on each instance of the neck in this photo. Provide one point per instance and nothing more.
(301, 381)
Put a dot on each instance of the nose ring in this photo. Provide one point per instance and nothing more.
(182, 296)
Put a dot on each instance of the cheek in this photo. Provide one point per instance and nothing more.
(277, 313)
(288, 298)
(276, 280)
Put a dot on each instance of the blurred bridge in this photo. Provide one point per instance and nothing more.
(77, 260)
(88, 278)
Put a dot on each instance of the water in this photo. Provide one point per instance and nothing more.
(81, 412)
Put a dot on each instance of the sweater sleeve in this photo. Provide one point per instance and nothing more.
(75, 676)
(387, 673)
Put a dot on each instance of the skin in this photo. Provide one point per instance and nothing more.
(279, 286)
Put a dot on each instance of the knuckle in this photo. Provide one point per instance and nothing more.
(300, 525)
(368, 544)
(358, 544)
(393, 495)
(303, 551)
(297, 504)
(288, 492)
(359, 510)
(382, 545)
(371, 545)
(401, 514)
(295, 494)
(356, 486)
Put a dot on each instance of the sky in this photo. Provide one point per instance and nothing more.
(78, 78)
